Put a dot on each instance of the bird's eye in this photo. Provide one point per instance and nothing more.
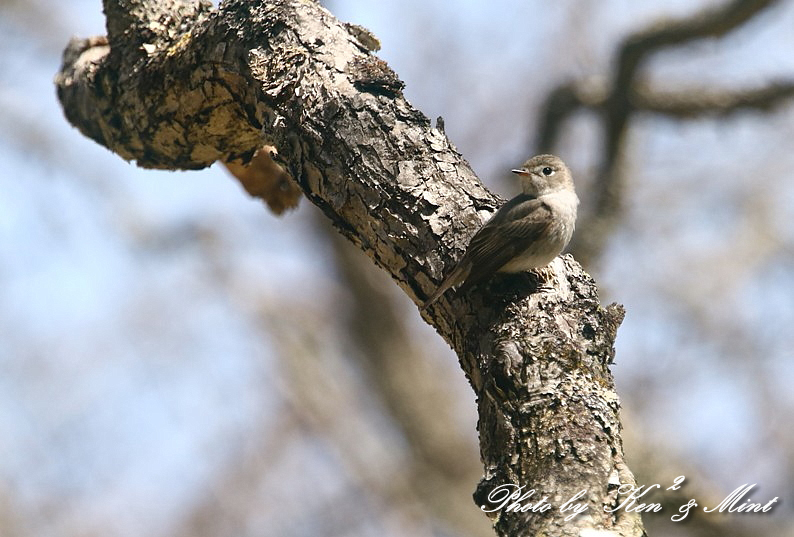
(547, 171)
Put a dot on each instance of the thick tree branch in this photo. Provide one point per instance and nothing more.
(219, 85)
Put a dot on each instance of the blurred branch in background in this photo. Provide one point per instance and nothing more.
(626, 95)
(424, 480)
(413, 387)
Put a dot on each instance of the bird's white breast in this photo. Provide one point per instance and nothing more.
(540, 253)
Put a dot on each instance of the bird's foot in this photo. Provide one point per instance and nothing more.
(545, 278)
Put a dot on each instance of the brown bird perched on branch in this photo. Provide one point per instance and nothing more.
(527, 232)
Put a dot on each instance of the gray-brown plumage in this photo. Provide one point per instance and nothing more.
(527, 232)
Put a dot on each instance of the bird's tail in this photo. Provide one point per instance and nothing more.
(458, 275)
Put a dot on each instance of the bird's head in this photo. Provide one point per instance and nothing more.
(544, 174)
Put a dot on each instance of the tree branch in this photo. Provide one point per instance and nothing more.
(692, 104)
(218, 85)
(624, 96)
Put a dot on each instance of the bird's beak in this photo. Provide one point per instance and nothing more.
(522, 172)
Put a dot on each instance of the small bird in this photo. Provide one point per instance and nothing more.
(527, 232)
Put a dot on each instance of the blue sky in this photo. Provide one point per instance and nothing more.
(129, 376)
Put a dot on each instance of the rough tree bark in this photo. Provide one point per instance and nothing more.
(178, 85)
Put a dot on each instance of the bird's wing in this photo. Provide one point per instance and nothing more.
(509, 232)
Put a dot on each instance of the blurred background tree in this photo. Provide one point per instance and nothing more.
(172, 354)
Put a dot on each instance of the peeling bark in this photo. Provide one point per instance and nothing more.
(181, 86)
